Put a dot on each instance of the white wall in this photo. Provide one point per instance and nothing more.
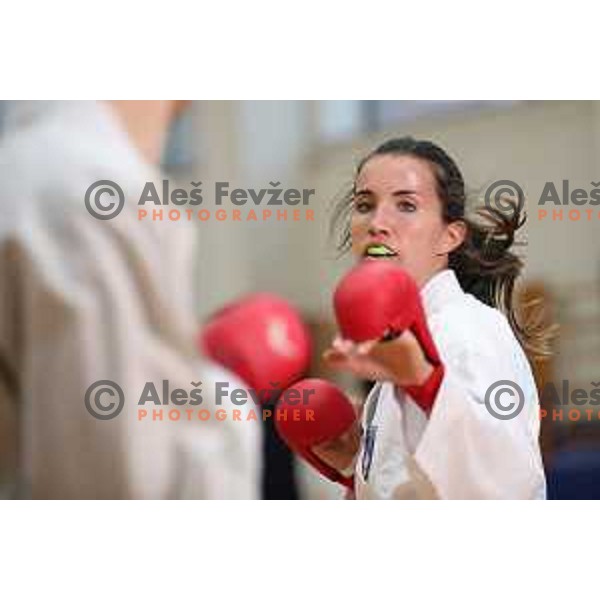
(248, 144)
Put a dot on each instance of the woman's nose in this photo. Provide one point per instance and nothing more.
(380, 222)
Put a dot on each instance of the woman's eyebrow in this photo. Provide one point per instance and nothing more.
(405, 192)
(400, 192)
(363, 192)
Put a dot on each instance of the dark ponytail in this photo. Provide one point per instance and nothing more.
(484, 264)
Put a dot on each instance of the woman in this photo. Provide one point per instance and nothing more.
(408, 205)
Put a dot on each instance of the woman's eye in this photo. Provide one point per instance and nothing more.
(406, 206)
(362, 206)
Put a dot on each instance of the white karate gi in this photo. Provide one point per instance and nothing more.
(83, 300)
(461, 450)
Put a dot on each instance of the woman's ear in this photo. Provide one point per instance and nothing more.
(454, 235)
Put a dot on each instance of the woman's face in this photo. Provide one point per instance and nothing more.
(397, 215)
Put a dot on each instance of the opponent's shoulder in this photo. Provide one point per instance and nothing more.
(41, 175)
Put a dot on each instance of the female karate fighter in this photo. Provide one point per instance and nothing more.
(437, 423)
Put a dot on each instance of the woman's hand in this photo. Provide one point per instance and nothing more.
(401, 360)
(341, 452)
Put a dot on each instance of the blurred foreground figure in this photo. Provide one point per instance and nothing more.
(85, 299)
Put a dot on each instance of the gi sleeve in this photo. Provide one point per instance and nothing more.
(465, 450)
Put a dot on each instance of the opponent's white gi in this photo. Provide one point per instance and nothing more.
(461, 451)
(83, 300)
